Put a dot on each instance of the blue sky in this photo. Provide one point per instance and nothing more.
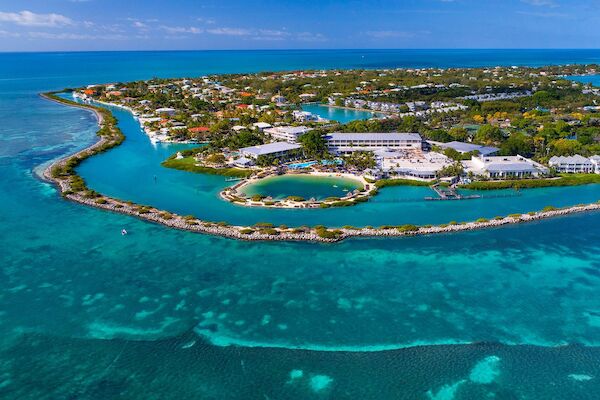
(62, 25)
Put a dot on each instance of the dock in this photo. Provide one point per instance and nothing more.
(449, 193)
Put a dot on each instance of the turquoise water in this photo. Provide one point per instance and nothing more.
(89, 314)
(341, 115)
(301, 165)
(307, 187)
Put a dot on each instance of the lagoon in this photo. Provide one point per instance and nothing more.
(339, 114)
(305, 186)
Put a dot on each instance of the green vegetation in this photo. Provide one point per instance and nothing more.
(563, 180)
(400, 182)
(189, 164)
(408, 228)
(325, 233)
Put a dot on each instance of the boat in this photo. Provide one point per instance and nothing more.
(123, 232)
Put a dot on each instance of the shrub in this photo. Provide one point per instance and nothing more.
(295, 198)
(101, 201)
(517, 216)
(482, 220)
(549, 208)
(270, 231)
(263, 225)
(257, 197)
(324, 233)
(408, 228)
(247, 231)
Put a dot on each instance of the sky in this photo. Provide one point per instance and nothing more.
(80, 25)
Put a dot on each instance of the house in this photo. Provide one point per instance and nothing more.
(261, 126)
(344, 143)
(463, 147)
(504, 167)
(275, 149)
(279, 100)
(572, 164)
(165, 110)
(289, 134)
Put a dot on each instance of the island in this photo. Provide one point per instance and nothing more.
(450, 129)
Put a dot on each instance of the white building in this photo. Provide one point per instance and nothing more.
(289, 134)
(504, 167)
(596, 162)
(261, 125)
(343, 143)
(463, 147)
(165, 110)
(411, 163)
(275, 149)
(572, 164)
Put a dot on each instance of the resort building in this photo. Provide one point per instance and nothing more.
(411, 163)
(289, 134)
(275, 149)
(463, 148)
(596, 162)
(504, 167)
(261, 125)
(572, 164)
(344, 143)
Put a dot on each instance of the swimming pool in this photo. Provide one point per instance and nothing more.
(307, 164)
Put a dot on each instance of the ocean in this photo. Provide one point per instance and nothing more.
(85, 313)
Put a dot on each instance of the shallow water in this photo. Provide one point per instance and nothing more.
(342, 115)
(305, 186)
(89, 314)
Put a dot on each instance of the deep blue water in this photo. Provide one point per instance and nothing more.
(89, 314)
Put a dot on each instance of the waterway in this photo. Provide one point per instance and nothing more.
(342, 115)
(89, 314)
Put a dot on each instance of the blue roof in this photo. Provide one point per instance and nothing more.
(463, 147)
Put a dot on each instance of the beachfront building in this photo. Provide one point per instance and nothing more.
(500, 167)
(345, 143)
(463, 148)
(411, 163)
(288, 134)
(275, 149)
(572, 164)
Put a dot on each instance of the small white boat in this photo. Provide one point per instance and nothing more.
(123, 232)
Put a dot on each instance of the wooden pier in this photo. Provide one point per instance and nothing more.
(449, 193)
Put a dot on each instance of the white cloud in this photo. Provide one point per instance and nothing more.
(229, 31)
(181, 29)
(28, 18)
(73, 36)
